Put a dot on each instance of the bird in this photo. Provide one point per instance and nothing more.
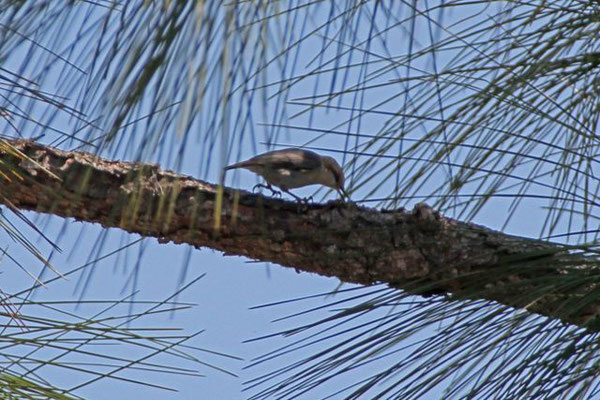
(293, 168)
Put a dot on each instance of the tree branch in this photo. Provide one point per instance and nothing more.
(420, 251)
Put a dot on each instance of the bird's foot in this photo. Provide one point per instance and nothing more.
(302, 201)
(274, 192)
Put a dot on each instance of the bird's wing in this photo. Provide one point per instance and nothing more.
(293, 159)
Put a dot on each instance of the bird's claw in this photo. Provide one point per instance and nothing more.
(274, 192)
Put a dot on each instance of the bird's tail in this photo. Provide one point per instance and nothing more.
(232, 166)
(243, 164)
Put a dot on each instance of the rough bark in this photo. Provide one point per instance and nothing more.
(419, 251)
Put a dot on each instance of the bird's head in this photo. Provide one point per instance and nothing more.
(335, 179)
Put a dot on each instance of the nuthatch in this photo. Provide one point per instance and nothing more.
(294, 168)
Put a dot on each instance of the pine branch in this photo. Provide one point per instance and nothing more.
(419, 251)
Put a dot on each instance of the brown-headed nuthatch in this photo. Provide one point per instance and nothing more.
(294, 168)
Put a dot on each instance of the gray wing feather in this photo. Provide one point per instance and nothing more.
(293, 159)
